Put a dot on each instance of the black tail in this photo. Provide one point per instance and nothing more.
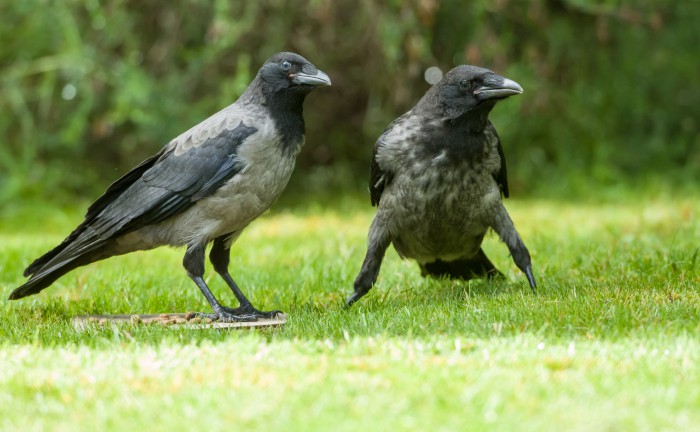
(65, 257)
(463, 268)
(41, 262)
(84, 245)
(43, 279)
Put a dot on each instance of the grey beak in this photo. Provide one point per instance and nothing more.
(503, 89)
(319, 79)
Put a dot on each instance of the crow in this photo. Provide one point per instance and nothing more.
(204, 186)
(437, 176)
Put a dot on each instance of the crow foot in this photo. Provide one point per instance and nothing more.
(355, 296)
(531, 279)
(249, 310)
(240, 314)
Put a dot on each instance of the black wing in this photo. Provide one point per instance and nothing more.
(175, 182)
(112, 192)
(160, 187)
(377, 179)
(501, 176)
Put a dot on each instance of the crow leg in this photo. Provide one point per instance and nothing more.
(377, 243)
(220, 256)
(194, 265)
(503, 225)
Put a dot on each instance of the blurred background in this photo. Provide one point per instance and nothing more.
(90, 88)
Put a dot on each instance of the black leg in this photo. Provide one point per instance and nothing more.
(219, 257)
(521, 257)
(503, 225)
(194, 264)
(378, 242)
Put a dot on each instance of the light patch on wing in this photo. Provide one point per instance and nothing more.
(442, 157)
(379, 182)
(227, 119)
(397, 147)
(408, 129)
(400, 133)
(491, 198)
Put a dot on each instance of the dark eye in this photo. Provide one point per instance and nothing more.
(286, 66)
(464, 84)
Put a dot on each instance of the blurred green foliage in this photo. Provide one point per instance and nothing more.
(90, 88)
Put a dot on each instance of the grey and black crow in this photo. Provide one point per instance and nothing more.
(205, 186)
(437, 176)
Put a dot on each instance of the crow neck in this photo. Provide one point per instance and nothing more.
(285, 106)
(476, 119)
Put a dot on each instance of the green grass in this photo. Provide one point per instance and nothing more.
(611, 342)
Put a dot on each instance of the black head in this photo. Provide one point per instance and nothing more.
(290, 72)
(468, 88)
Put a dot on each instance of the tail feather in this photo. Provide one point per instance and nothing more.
(111, 194)
(52, 265)
(41, 262)
(463, 268)
(82, 245)
(44, 278)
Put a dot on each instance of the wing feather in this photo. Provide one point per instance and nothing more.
(160, 187)
(379, 176)
(501, 176)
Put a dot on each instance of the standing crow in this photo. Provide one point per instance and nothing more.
(437, 176)
(206, 185)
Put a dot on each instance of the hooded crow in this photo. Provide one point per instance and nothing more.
(437, 176)
(205, 186)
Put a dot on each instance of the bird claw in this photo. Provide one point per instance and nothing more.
(531, 279)
(250, 311)
(225, 317)
(240, 314)
(355, 296)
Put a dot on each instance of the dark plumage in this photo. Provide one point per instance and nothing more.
(437, 176)
(205, 186)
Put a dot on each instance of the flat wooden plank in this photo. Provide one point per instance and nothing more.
(174, 320)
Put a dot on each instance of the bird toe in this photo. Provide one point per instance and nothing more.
(248, 311)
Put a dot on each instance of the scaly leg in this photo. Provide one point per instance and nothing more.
(377, 243)
(194, 265)
(220, 256)
(503, 225)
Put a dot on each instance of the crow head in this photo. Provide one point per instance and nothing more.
(469, 88)
(287, 72)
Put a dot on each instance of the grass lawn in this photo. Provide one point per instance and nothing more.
(611, 342)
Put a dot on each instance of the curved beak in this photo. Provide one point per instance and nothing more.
(318, 80)
(498, 88)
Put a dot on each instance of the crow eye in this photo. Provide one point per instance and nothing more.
(464, 84)
(286, 66)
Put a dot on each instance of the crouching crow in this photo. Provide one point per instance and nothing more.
(437, 176)
(205, 186)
